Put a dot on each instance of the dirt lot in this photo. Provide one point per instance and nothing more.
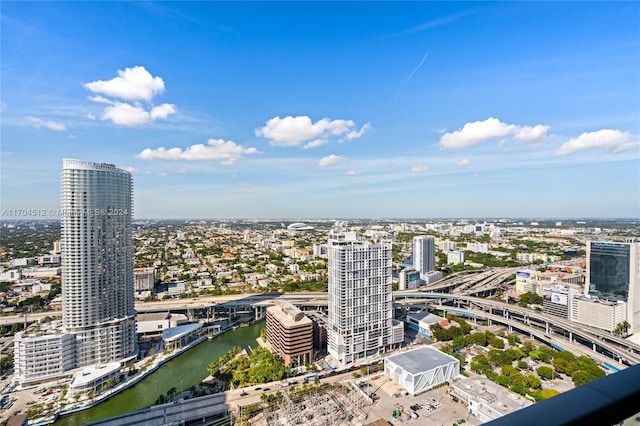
(448, 413)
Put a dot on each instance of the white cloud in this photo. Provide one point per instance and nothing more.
(331, 159)
(100, 100)
(463, 163)
(314, 143)
(531, 134)
(293, 131)
(125, 114)
(130, 169)
(614, 141)
(355, 134)
(132, 84)
(163, 174)
(47, 124)
(352, 173)
(478, 131)
(419, 168)
(162, 111)
(227, 152)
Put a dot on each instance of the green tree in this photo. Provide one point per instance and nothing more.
(530, 299)
(545, 372)
(513, 339)
(496, 342)
(581, 377)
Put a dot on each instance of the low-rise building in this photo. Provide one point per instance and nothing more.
(455, 257)
(421, 369)
(42, 356)
(409, 279)
(478, 247)
(94, 377)
(557, 300)
(486, 400)
(600, 313)
(431, 277)
(421, 322)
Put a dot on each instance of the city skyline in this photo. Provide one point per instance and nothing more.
(271, 110)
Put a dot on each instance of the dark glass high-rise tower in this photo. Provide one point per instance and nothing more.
(613, 272)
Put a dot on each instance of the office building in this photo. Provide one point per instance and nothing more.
(558, 301)
(613, 273)
(599, 313)
(409, 279)
(478, 247)
(526, 282)
(289, 333)
(360, 321)
(424, 253)
(455, 257)
(97, 276)
(144, 284)
(448, 245)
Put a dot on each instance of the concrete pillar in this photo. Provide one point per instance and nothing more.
(571, 336)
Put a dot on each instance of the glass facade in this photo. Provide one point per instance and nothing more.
(609, 270)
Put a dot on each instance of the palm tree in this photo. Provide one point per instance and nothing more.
(618, 329)
(625, 326)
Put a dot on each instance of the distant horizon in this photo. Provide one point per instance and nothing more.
(329, 219)
(336, 109)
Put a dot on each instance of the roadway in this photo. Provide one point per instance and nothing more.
(485, 308)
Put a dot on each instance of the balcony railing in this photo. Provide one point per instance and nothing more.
(604, 402)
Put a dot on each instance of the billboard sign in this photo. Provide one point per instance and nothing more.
(523, 275)
(560, 298)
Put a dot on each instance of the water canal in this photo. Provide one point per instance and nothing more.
(182, 372)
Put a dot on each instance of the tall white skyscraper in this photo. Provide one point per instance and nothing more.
(98, 318)
(424, 253)
(97, 268)
(360, 307)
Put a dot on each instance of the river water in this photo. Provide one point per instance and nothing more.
(182, 372)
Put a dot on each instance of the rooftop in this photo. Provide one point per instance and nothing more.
(421, 359)
(492, 395)
(93, 372)
(175, 333)
(286, 313)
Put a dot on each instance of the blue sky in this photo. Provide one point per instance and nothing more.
(293, 110)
